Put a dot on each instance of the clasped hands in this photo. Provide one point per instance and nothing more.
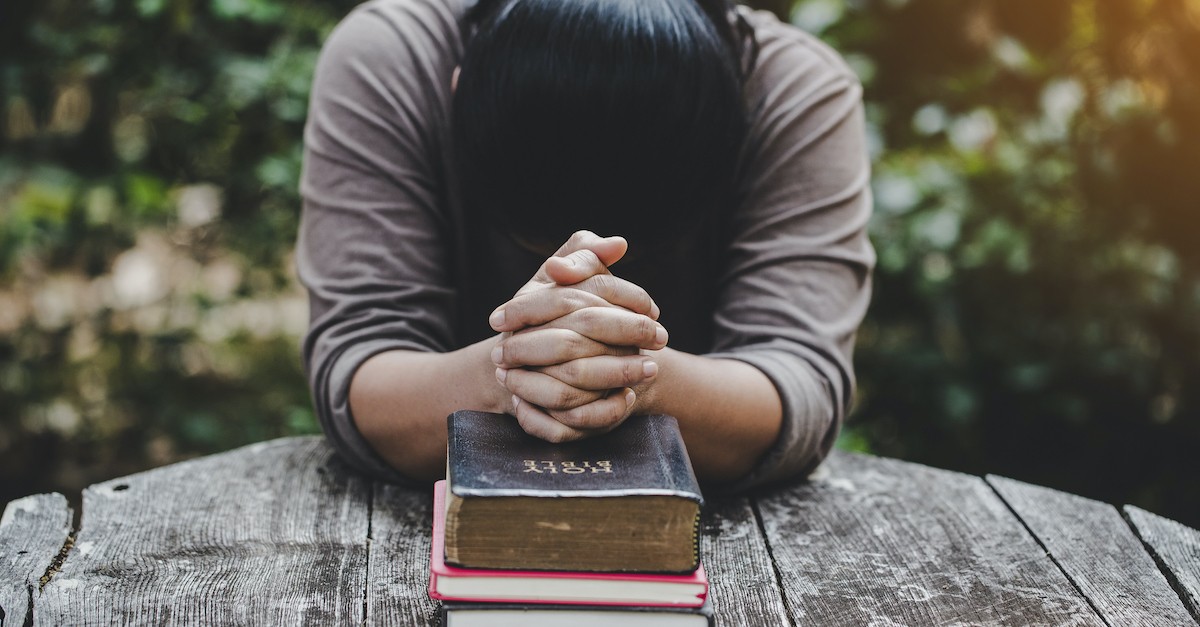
(574, 342)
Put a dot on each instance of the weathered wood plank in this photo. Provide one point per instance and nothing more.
(1098, 551)
(273, 533)
(398, 571)
(32, 532)
(742, 581)
(884, 542)
(1176, 548)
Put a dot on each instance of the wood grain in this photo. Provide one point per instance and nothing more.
(742, 582)
(884, 542)
(1176, 549)
(398, 574)
(273, 533)
(32, 532)
(282, 532)
(1098, 551)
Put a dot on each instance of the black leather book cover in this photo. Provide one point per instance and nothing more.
(490, 455)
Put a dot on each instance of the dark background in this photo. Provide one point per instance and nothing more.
(1037, 176)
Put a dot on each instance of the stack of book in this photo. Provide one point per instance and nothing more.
(586, 533)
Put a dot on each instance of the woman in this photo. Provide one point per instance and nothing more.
(451, 149)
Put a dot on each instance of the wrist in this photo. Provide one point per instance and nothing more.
(493, 397)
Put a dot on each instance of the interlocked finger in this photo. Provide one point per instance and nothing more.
(539, 424)
(538, 306)
(600, 415)
(603, 372)
(613, 326)
(546, 346)
(544, 390)
(620, 292)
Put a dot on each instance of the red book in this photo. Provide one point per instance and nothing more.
(450, 583)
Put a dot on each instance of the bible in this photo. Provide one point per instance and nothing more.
(625, 501)
(448, 583)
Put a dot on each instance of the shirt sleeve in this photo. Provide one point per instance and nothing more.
(797, 284)
(371, 247)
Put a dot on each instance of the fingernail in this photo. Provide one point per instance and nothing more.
(501, 375)
(649, 369)
(660, 336)
(654, 310)
(630, 398)
(497, 355)
(516, 402)
(497, 318)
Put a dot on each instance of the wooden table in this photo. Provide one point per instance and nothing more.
(283, 532)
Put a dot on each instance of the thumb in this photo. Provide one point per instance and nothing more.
(608, 249)
(583, 256)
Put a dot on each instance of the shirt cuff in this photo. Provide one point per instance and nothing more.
(338, 422)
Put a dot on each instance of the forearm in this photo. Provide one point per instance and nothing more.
(400, 400)
(729, 411)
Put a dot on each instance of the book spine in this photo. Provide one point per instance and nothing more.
(671, 444)
(696, 541)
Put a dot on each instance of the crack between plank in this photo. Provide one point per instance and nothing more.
(55, 567)
(1172, 579)
(762, 531)
(56, 564)
(370, 538)
(1046, 550)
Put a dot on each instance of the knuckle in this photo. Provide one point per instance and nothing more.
(577, 417)
(587, 259)
(560, 435)
(566, 397)
(514, 311)
(575, 301)
(604, 284)
(646, 329)
(644, 302)
(526, 424)
(565, 302)
(510, 350)
(592, 416)
(577, 344)
(587, 317)
(631, 370)
(572, 371)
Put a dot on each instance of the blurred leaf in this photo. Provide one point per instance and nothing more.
(252, 10)
(146, 195)
(150, 8)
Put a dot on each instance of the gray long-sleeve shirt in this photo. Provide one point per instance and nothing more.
(390, 264)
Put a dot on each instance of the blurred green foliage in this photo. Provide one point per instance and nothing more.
(1037, 228)
(149, 158)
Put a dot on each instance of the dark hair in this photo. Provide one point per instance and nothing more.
(621, 116)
